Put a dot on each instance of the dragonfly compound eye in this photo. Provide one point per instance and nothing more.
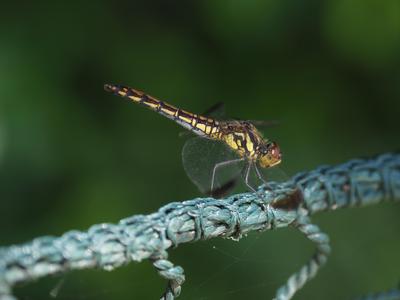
(270, 155)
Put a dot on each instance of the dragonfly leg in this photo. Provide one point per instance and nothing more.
(219, 165)
(309, 270)
(246, 177)
(259, 175)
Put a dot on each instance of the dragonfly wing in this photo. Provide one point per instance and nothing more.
(216, 111)
(264, 123)
(224, 189)
(201, 155)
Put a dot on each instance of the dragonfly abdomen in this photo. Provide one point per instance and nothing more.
(200, 125)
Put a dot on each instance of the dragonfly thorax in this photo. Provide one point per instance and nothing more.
(248, 142)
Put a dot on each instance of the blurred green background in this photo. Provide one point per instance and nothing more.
(72, 155)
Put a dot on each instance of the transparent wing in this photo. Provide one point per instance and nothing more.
(261, 124)
(224, 189)
(216, 111)
(200, 156)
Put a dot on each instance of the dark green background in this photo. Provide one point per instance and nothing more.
(72, 155)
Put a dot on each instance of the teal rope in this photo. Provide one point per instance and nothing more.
(309, 270)
(291, 203)
(393, 294)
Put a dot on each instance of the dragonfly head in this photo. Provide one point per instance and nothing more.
(270, 155)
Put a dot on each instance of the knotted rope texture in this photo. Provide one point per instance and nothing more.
(107, 246)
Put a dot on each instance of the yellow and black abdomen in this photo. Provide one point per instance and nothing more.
(200, 125)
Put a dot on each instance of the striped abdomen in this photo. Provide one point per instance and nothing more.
(200, 125)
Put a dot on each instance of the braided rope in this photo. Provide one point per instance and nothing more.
(393, 294)
(309, 270)
(108, 246)
(174, 275)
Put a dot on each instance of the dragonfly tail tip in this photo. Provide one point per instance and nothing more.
(109, 87)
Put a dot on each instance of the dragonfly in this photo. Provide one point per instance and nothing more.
(240, 137)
